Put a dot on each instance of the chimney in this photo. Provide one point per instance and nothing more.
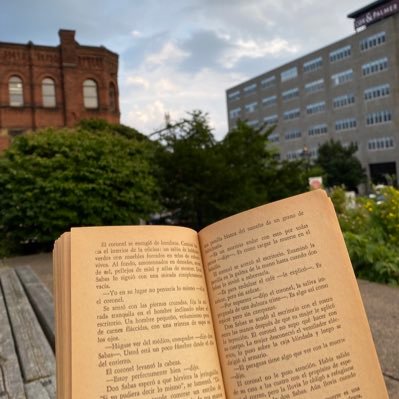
(68, 47)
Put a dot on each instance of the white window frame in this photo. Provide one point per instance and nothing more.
(288, 74)
(340, 53)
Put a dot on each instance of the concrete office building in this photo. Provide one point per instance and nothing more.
(347, 91)
(45, 86)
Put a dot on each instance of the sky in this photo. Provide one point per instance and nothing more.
(177, 56)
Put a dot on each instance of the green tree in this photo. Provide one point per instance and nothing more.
(291, 178)
(340, 165)
(205, 180)
(54, 179)
(249, 168)
(188, 165)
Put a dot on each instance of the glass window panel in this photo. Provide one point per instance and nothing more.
(15, 90)
(90, 97)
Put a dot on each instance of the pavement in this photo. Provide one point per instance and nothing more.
(381, 303)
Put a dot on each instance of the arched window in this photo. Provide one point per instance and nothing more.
(48, 92)
(90, 97)
(16, 91)
(112, 97)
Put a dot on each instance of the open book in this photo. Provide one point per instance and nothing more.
(263, 304)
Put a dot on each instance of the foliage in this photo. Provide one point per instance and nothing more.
(338, 198)
(54, 179)
(206, 180)
(387, 213)
(249, 168)
(372, 258)
(291, 178)
(101, 125)
(188, 167)
(371, 232)
(340, 165)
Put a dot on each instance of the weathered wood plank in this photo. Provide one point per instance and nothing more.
(41, 389)
(11, 384)
(35, 354)
(40, 299)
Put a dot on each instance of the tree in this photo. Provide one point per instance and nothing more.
(54, 179)
(340, 165)
(249, 167)
(290, 178)
(188, 167)
(205, 180)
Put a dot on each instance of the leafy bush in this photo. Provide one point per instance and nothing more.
(373, 259)
(371, 232)
(53, 180)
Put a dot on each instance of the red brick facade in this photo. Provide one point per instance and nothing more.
(67, 68)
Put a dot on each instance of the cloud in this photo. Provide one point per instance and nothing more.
(182, 55)
(136, 34)
(255, 49)
(137, 81)
(169, 53)
(204, 49)
(165, 88)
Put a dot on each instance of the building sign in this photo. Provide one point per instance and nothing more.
(377, 13)
(315, 182)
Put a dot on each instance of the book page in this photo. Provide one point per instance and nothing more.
(288, 315)
(141, 323)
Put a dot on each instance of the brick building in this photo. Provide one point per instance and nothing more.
(44, 86)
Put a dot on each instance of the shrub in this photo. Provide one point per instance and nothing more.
(53, 180)
(371, 232)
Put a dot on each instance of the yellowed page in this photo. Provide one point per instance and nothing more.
(57, 310)
(141, 323)
(66, 319)
(61, 274)
(288, 315)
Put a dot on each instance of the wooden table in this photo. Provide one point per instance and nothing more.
(27, 361)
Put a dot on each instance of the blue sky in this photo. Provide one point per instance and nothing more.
(181, 55)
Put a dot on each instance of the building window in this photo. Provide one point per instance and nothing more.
(250, 89)
(235, 113)
(290, 94)
(292, 114)
(274, 137)
(342, 77)
(271, 119)
(315, 86)
(317, 130)
(312, 65)
(234, 96)
(345, 124)
(268, 82)
(372, 41)
(16, 91)
(340, 54)
(316, 108)
(377, 92)
(253, 123)
(292, 155)
(249, 108)
(383, 143)
(293, 134)
(289, 74)
(268, 101)
(90, 97)
(377, 118)
(313, 153)
(343, 101)
(48, 93)
(375, 66)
